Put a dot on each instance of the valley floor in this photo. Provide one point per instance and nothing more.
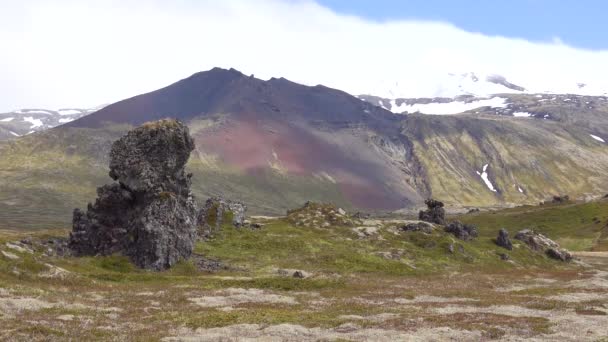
(554, 305)
(369, 282)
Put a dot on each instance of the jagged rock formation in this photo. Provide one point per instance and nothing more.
(149, 214)
(541, 243)
(435, 212)
(503, 239)
(464, 232)
(212, 215)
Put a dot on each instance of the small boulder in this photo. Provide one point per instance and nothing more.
(503, 239)
(435, 212)
(559, 254)
(462, 231)
(560, 199)
(299, 274)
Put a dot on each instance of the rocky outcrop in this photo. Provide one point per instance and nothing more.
(212, 215)
(149, 213)
(424, 227)
(435, 212)
(503, 239)
(320, 215)
(464, 232)
(541, 243)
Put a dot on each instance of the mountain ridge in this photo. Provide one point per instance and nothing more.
(276, 144)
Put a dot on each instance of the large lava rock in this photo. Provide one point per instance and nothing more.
(434, 213)
(149, 214)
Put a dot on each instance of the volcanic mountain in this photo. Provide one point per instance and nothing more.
(276, 144)
(254, 126)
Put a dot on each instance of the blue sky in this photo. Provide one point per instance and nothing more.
(579, 23)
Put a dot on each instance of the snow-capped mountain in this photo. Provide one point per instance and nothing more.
(26, 121)
(478, 85)
(459, 93)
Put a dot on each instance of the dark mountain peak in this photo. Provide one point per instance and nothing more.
(232, 92)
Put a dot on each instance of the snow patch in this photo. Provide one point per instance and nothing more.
(454, 107)
(35, 111)
(520, 189)
(69, 111)
(522, 114)
(64, 120)
(35, 122)
(597, 138)
(15, 134)
(484, 177)
(7, 119)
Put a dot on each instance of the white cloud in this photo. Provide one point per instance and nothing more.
(83, 53)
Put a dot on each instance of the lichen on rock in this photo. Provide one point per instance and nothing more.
(149, 214)
(217, 210)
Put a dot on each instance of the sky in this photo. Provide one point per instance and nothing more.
(577, 23)
(68, 53)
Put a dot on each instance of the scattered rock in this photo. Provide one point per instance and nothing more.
(364, 232)
(235, 296)
(541, 243)
(256, 225)
(435, 212)
(9, 255)
(560, 199)
(149, 214)
(504, 256)
(424, 227)
(208, 265)
(293, 273)
(216, 209)
(299, 274)
(503, 239)
(464, 232)
(395, 254)
(559, 254)
(361, 216)
(473, 210)
(17, 248)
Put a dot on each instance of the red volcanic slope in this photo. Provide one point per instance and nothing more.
(307, 130)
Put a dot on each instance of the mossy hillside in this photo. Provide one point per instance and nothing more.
(453, 149)
(576, 226)
(265, 191)
(44, 176)
(340, 250)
